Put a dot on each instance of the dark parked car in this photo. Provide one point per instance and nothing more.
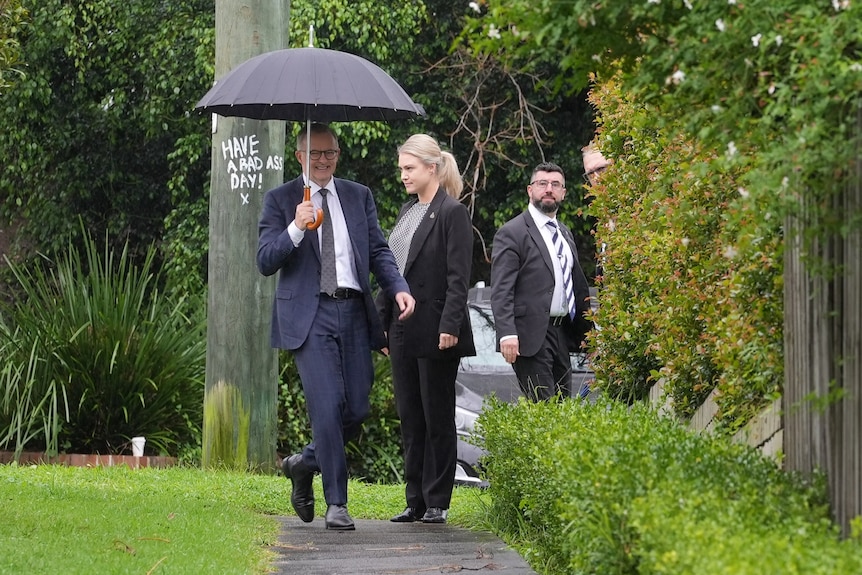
(487, 373)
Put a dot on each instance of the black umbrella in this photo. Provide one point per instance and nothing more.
(309, 84)
(300, 84)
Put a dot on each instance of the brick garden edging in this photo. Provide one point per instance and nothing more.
(88, 460)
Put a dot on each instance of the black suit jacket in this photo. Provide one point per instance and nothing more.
(522, 285)
(438, 273)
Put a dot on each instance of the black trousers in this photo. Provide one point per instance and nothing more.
(425, 399)
(548, 373)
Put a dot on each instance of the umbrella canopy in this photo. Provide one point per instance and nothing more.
(304, 84)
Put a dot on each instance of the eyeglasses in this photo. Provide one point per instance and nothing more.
(594, 172)
(328, 154)
(542, 184)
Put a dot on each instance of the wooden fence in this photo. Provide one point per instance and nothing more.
(765, 432)
(823, 351)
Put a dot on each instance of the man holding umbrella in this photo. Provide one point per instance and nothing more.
(324, 311)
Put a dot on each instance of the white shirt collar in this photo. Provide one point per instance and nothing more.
(315, 188)
(539, 216)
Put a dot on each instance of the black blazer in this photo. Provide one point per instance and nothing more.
(522, 285)
(438, 272)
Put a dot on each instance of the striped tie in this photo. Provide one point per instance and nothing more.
(568, 289)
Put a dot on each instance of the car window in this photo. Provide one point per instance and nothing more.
(485, 338)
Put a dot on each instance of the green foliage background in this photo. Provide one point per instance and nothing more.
(11, 16)
(88, 129)
(722, 118)
(684, 301)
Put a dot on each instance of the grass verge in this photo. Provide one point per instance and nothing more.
(115, 520)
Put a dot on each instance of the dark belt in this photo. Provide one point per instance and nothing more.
(558, 320)
(343, 293)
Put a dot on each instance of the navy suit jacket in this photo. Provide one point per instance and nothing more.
(522, 285)
(298, 289)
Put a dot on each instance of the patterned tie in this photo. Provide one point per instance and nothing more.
(328, 277)
(568, 289)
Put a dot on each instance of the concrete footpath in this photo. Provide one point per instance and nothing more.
(386, 548)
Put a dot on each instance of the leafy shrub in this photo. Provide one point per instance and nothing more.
(104, 349)
(376, 454)
(692, 291)
(607, 488)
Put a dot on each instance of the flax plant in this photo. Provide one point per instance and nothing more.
(27, 410)
(99, 355)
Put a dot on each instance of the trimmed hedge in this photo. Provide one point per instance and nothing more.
(609, 488)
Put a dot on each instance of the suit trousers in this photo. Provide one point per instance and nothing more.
(549, 372)
(336, 370)
(425, 399)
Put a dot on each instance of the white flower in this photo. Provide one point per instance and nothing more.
(493, 32)
(771, 89)
(596, 58)
(688, 4)
(842, 5)
(612, 225)
(685, 241)
(779, 40)
(785, 181)
(730, 252)
(676, 78)
(716, 108)
(653, 1)
(756, 39)
(731, 149)
(731, 1)
(720, 25)
(475, 7)
(856, 67)
(743, 192)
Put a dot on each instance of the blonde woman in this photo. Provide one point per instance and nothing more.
(433, 245)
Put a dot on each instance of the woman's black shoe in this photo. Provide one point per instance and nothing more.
(409, 515)
(435, 515)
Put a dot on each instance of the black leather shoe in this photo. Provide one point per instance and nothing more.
(302, 494)
(409, 515)
(435, 515)
(338, 519)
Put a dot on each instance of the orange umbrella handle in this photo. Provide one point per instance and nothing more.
(319, 220)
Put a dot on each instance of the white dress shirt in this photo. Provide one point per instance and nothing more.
(344, 262)
(558, 303)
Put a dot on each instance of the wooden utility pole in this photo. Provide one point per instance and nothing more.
(240, 402)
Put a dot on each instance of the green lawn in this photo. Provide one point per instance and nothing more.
(113, 520)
